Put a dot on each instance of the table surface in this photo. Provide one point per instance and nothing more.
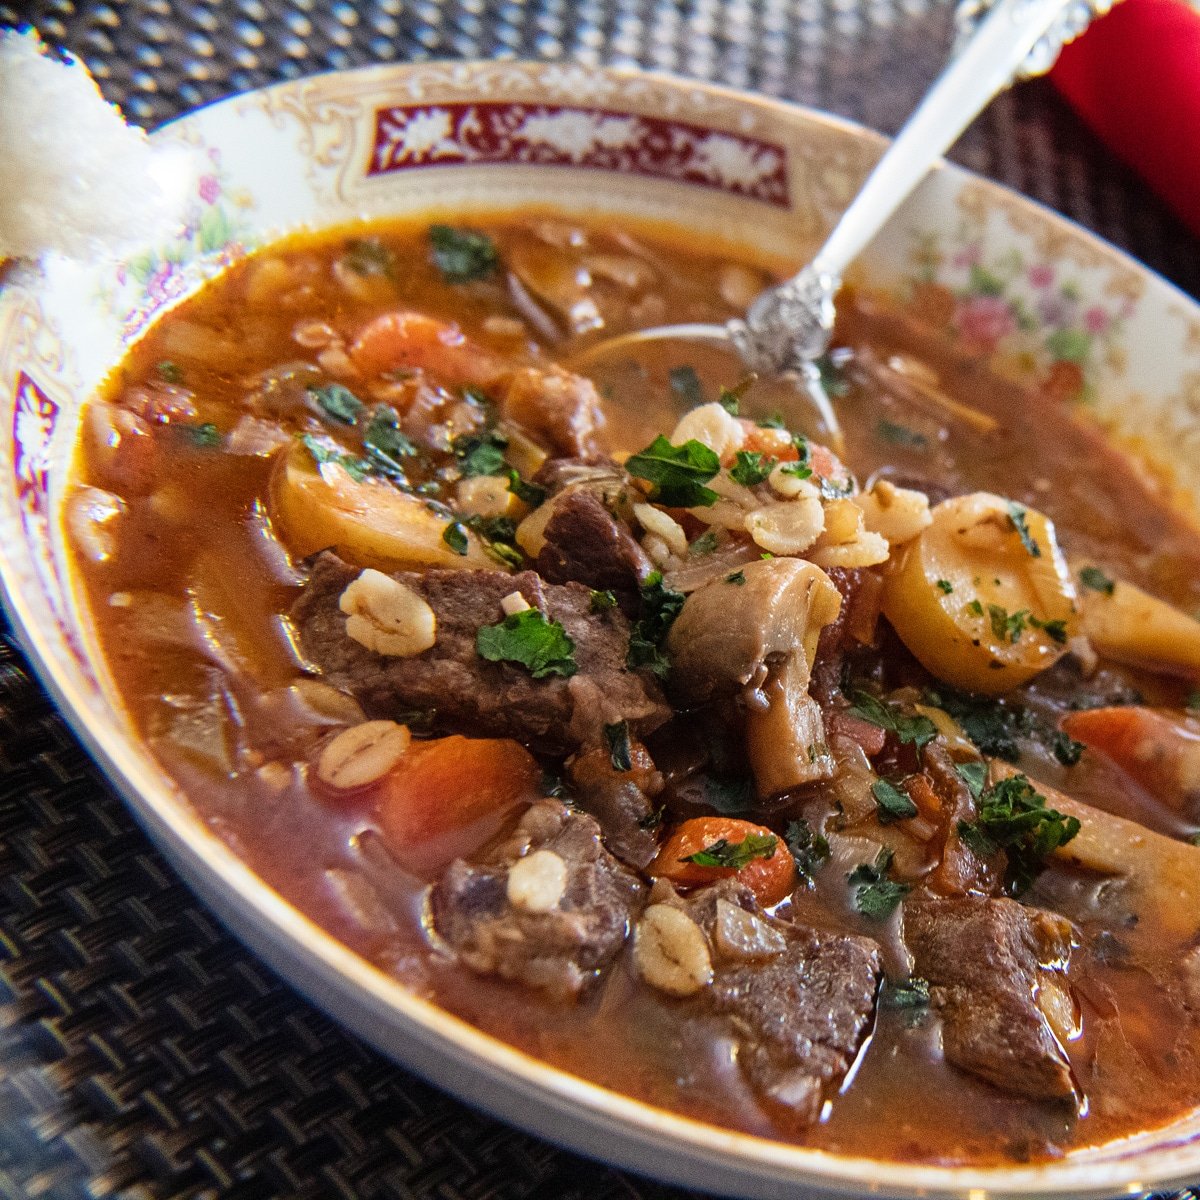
(143, 1052)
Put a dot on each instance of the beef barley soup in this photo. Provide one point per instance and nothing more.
(845, 794)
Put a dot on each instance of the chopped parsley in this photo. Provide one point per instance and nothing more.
(480, 453)
(1055, 630)
(1007, 627)
(1019, 518)
(800, 470)
(527, 638)
(685, 383)
(774, 421)
(169, 372)
(1013, 817)
(995, 726)
(735, 855)
(619, 752)
(908, 993)
(944, 585)
(901, 435)
(1066, 749)
(205, 436)
(653, 819)
(455, 536)
(369, 256)
(751, 467)
(1195, 839)
(532, 494)
(975, 607)
(677, 472)
(329, 452)
(730, 398)
(738, 578)
(875, 895)
(915, 731)
(706, 543)
(498, 535)
(810, 850)
(1192, 703)
(659, 608)
(974, 775)
(894, 805)
(1096, 580)
(385, 444)
(602, 601)
(462, 254)
(338, 403)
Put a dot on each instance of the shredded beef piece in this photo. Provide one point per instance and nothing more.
(586, 543)
(985, 960)
(800, 1016)
(558, 408)
(622, 801)
(558, 952)
(470, 694)
(860, 607)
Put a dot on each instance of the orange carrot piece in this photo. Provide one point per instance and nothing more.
(410, 341)
(771, 879)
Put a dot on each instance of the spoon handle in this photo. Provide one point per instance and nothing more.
(986, 64)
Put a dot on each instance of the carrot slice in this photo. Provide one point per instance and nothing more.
(450, 783)
(771, 877)
(1160, 751)
(410, 341)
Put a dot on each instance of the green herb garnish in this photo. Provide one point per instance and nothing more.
(1066, 749)
(751, 467)
(338, 403)
(915, 731)
(974, 775)
(602, 601)
(944, 585)
(875, 895)
(659, 608)
(730, 398)
(894, 805)
(385, 444)
(527, 638)
(480, 453)
(1013, 817)
(737, 578)
(975, 607)
(326, 452)
(677, 472)
(532, 494)
(462, 254)
(706, 543)
(1005, 626)
(1055, 630)
(1096, 580)
(908, 993)
(810, 850)
(201, 437)
(369, 256)
(735, 855)
(685, 383)
(170, 372)
(455, 536)
(1019, 518)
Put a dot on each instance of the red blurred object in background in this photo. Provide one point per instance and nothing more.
(1134, 77)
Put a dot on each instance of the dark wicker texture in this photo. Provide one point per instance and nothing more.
(143, 1052)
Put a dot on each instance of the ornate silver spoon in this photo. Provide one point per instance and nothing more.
(790, 325)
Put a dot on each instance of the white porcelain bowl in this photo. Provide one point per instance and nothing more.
(1047, 299)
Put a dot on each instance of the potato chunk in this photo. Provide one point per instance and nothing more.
(369, 522)
(983, 596)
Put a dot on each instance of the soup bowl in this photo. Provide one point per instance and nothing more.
(1047, 302)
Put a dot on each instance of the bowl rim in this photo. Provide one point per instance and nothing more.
(516, 1087)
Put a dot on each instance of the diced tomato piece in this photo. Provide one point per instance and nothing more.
(410, 341)
(770, 878)
(778, 444)
(450, 783)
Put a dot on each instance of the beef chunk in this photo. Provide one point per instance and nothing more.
(558, 408)
(470, 694)
(986, 961)
(585, 542)
(622, 801)
(557, 948)
(799, 1001)
(855, 623)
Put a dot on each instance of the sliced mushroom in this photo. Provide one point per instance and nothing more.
(758, 637)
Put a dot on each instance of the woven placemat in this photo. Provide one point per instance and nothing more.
(143, 1052)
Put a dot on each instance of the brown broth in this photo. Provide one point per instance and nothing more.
(209, 695)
